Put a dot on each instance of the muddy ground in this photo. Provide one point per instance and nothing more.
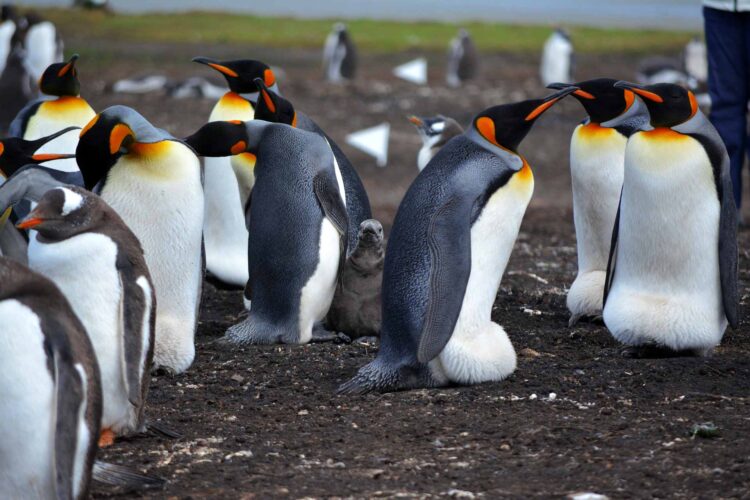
(264, 422)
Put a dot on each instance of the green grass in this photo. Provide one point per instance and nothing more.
(371, 36)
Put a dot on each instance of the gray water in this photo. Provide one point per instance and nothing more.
(660, 14)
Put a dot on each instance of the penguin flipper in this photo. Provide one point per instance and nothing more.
(449, 242)
(27, 183)
(612, 254)
(326, 191)
(728, 252)
(12, 242)
(17, 127)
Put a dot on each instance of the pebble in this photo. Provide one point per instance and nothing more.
(552, 396)
(454, 493)
(587, 495)
(528, 352)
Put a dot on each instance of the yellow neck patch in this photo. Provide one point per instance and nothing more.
(72, 110)
(595, 131)
(525, 175)
(664, 134)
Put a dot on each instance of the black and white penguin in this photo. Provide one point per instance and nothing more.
(48, 370)
(463, 60)
(339, 55)
(8, 28)
(16, 153)
(451, 240)
(153, 181)
(80, 236)
(224, 223)
(435, 132)
(292, 272)
(42, 45)
(672, 279)
(695, 60)
(659, 69)
(557, 58)
(597, 156)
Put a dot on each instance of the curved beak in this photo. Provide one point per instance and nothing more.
(549, 101)
(640, 90)
(215, 65)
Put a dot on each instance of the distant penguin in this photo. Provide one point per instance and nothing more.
(15, 87)
(140, 85)
(295, 255)
(557, 58)
(153, 181)
(79, 237)
(463, 60)
(658, 69)
(195, 87)
(435, 132)
(224, 223)
(597, 155)
(355, 309)
(672, 279)
(49, 381)
(42, 45)
(8, 30)
(696, 60)
(339, 55)
(451, 240)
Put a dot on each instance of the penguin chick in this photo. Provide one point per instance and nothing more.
(435, 132)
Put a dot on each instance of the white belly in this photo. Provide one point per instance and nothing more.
(7, 30)
(41, 49)
(666, 287)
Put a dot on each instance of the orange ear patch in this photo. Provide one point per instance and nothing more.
(693, 104)
(294, 120)
(223, 69)
(2, 148)
(238, 147)
(117, 136)
(541, 109)
(629, 99)
(269, 78)
(486, 128)
(88, 126)
(269, 102)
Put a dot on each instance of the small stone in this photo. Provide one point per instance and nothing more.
(587, 495)
(238, 378)
(303, 412)
(552, 396)
(706, 430)
(505, 447)
(454, 493)
(528, 352)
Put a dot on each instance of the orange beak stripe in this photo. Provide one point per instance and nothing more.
(64, 69)
(117, 136)
(50, 156)
(693, 104)
(486, 127)
(584, 94)
(269, 101)
(238, 147)
(89, 125)
(648, 95)
(223, 69)
(29, 223)
(541, 109)
(269, 78)
(416, 121)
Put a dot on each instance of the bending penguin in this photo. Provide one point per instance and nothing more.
(293, 271)
(597, 156)
(339, 55)
(463, 60)
(80, 236)
(672, 278)
(557, 58)
(451, 240)
(153, 181)
(435, 132)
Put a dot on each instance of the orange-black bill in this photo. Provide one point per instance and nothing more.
(215, 65)
(415, 120)
(640, 90)
(29, 222)
(40, 157)
(549, 101)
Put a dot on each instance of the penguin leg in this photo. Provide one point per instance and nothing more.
(321, 334)
(106, 438)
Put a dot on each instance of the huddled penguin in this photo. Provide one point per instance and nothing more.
(16, 153)
(451, 240)
(274, 108)
(49, 383)
(597, 155)
(224, 222)
(80, 236)
(46, 116)
(435, 132)
(672, 279)
(463, 60)
(339, 55)
(153, 181)
(42, 45)
(557, 58)
(296, 254)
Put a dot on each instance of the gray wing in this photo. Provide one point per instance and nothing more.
(12, 243)
(28, 183)
(69, 398)
(449, 242)
(327, 193)
(728, 261)
(612, 254)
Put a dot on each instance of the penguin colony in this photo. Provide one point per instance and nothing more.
(278, 209)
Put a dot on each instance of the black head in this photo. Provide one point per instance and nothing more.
(370, 233)
(16, 152)
(668, 104)
(506, 125)
(220, 139)
(63, 212)
(429, 126)
(241, 74)
(61, 79)
(271, 107)
(600, 98)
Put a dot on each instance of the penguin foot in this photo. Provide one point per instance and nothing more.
(655, 351)
(323, 335)
(369, 340)
(106, 438)
(573, 321)
(577, 318)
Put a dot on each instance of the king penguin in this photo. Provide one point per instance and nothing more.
(298, 227)
(672, 277)
(153, 181)
(80, 236)
(435, 132)
(451, 240)
(597, 155)
(42, 45)
(339, 55)
(463, 60)
(557, 58)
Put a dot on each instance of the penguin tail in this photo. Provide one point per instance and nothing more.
(162, 430)
(125, 477)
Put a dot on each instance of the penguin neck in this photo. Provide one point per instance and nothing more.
(72, 110)
(503, 153)
(232, 106)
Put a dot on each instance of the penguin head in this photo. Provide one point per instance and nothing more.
(241, 74)
(8, 13)
(273, 108)
(221, 139)
(668, 104)
(370, 233)
(506, 125)
(61, 79)
(600, 98)
(63, 212)
(429, 127)
(16, 152)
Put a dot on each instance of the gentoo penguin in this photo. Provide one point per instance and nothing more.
(153, 181)
(435, 132)
(597, 155)
(224, 222)
(339, 55)
(463, 60)
(274, 108)
(355, 309)
(42, 46)
(557, 58)
(296, 254)
(80, 236)
(49, 381)
(450, 243)
(46, 116)
(672, 278)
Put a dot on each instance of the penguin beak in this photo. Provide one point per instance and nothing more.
(30, 221)
(216, 65)
(549, 101)
(42, 157)
(267, 99)
(416, 120)
(71, 64)
(579, 92)
(640, 90)
(558, 85)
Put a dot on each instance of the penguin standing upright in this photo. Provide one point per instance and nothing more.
(49, 382)
(435, 132)
(672, 279)
(8, 30)
(451, 240)
(557, 58)
(695, 60)
(42, 45)
(153, 181)
(339, 55)
(463, 60)
(597, 155)
(80, 236)
(298, 227)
